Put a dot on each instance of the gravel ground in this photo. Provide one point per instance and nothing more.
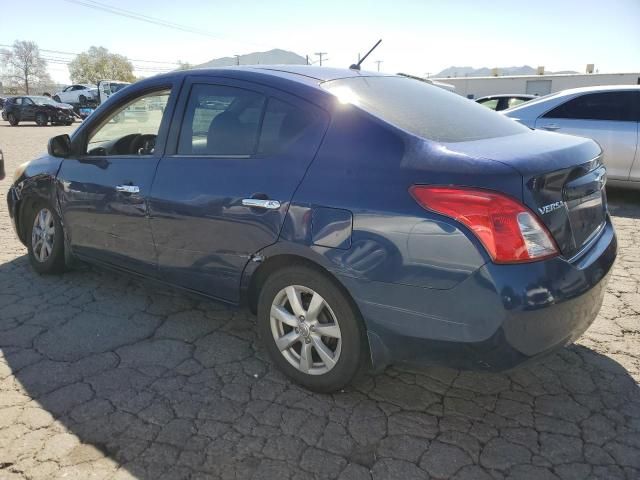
(104, 376)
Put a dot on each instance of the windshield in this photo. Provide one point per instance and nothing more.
(43, 101)
(423, 109)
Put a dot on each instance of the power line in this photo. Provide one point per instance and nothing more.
(138, 16)
(76, 53)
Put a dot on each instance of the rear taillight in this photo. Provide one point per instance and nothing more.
(509, 231)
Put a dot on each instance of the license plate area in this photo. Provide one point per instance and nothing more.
(585, 198)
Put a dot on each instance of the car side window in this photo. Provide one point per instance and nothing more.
(221, 121)
(283, 124)
(515, 101)
(596, 106)
(17, 101)
(130, 129)
(27, 101)
(491, 103)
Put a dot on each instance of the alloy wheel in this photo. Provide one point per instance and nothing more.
(305, 330)
(43, 235)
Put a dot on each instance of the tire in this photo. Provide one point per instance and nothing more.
(323, 373)
(42, 119)
(11, 118)
(45, 260)
(57, 98)
(68, 123)
(82, 99)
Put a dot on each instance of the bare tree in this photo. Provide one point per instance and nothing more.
(24, 65)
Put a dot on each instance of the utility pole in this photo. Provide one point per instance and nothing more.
(237, 59)
(378, 62)
(320, 54)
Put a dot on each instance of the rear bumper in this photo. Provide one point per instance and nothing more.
(499, 317)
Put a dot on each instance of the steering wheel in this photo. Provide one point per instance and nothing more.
(143, 144)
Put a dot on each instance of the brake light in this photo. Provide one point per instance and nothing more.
(509, 231)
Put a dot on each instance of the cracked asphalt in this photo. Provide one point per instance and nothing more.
(105, 376)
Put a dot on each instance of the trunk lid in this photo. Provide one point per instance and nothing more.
(562, 181)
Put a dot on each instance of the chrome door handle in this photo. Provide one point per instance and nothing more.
(128, 188)
(551, 126)
(259, 203)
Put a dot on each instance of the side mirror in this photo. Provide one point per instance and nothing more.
(59, 146)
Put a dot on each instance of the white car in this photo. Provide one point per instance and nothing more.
(79, 93)
(610, 115)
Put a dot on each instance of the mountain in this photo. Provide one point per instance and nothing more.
(272, 57)
(486, 72)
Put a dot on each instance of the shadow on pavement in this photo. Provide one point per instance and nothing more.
(624, 202)
(105, 377)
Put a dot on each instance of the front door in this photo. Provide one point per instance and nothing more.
(28, 110)
(104, 189)
(606, 117)
(222, 193)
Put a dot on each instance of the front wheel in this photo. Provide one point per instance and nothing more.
(46, 240)
(310, 328)
(12, 119)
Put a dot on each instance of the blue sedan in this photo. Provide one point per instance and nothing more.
(366, 219)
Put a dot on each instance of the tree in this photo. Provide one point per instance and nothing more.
(25, 68)
(184, 65)
(98, 64)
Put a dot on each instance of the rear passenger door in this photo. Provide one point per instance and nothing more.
(237, 153)
(606, 117)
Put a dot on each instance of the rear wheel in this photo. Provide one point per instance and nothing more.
(42, 119)
(46, 240)
(12, 119)
(310, 328)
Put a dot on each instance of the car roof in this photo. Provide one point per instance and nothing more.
(309, 74)
(598, 88)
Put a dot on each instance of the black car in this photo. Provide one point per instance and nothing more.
(502, 102)
(39, 109)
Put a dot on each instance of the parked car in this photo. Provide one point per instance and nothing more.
(609, 115)
(41, 110)
(79, 93)
(367, 219)
(502, 102)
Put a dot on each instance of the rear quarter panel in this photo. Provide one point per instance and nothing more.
(366, 167)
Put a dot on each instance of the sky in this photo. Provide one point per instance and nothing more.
(419, 37)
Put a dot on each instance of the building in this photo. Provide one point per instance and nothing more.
(475, 87)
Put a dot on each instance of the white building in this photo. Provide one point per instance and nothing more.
(475, 87)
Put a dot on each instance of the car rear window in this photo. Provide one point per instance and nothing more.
(423, 109)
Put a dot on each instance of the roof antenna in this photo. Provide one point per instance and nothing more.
(356, 66)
